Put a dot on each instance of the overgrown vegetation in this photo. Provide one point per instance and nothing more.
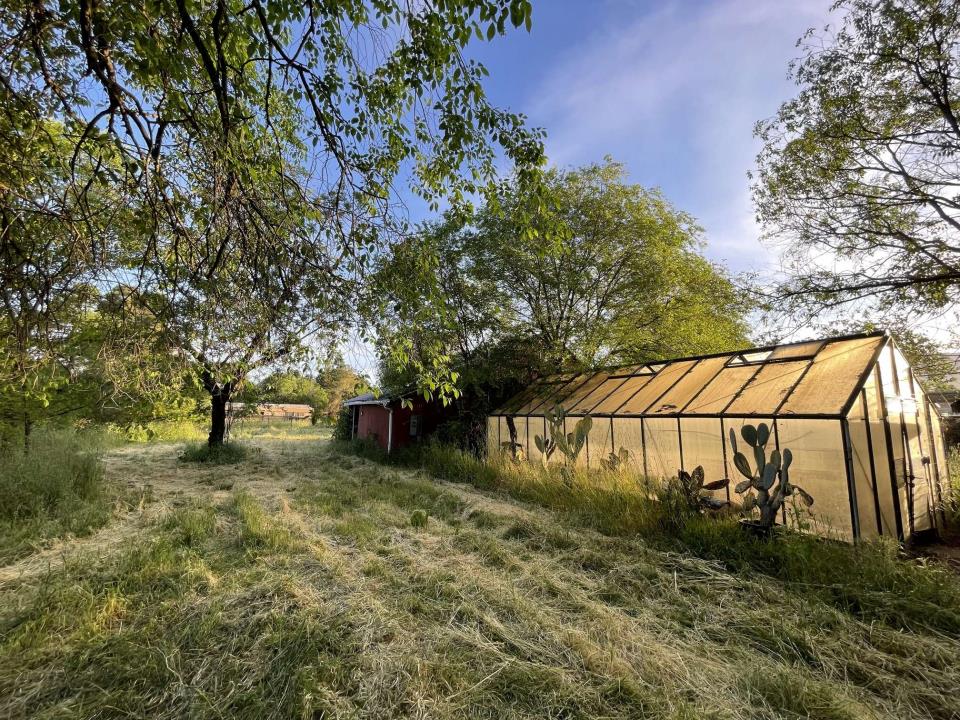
(227, 453)
(952, 489)
(320, 596)
(55, 488)
(869, 580)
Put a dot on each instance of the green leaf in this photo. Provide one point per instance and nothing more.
(697, 476)
(749, 433)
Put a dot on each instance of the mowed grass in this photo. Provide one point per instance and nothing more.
(314, 590)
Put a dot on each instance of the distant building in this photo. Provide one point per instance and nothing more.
(269, 412)
(385, 420)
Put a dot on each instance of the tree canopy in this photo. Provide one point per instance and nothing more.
(859, 173)
(258, 152)
(591, 271)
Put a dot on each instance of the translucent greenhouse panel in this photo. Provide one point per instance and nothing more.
(598, 441)
(939, 453)
(862, 473)
(659, 384)
(769, 387)
(833, 377)
(587, 403)
(521, 424)
(819, 468)
(881, 458)
(662, 442)
(920, 486)
(798, 350)
(623, 393)
(702, 443)
(903, 372)
(493, 436)
(522, 398)
(928, 468)
(628, 433)
(900, 468)
(573, 400)
(536, 425)
(504, 434)
(720, 391)
(547, 396)
(886, 372)
(689, 385)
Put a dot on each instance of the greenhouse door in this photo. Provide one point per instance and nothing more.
(919, 485)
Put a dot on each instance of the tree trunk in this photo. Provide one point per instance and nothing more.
(27, 428)
(218, 420)
(219, 397)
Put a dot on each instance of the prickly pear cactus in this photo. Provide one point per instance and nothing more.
(571, 444)
(767, 485)
(696, 491)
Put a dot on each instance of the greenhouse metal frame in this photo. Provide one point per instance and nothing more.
(866, 440)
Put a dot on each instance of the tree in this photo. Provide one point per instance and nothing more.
(581, 271)
(261, 146)
(859, 174)
(340, 382)
(47, 284)
(591, 271)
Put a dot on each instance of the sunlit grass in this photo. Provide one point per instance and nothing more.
(309, 592)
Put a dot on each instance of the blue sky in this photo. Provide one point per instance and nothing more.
(672, 89)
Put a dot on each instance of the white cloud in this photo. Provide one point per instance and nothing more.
(675, 92)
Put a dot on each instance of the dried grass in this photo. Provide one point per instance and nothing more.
(322, 601)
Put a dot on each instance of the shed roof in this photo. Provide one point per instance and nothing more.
(812, 378)
(368, 399)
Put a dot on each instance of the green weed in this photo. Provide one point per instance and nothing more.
(225, 454)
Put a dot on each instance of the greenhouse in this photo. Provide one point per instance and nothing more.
(866, 441)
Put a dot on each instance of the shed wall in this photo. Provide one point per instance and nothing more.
(373, 423)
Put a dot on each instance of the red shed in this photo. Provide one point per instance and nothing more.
(386, 419)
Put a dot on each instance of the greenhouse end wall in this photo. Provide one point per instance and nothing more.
(873, 460)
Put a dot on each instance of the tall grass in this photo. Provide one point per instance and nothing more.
(951, 492)
(872, 580)
(54, 489)
(225, 454)
(323, 602)
(185, 430)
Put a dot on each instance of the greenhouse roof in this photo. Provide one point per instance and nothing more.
(812, 378)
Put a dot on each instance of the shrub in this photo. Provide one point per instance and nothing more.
(418, 519)
(342, 428)
(226, 454)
